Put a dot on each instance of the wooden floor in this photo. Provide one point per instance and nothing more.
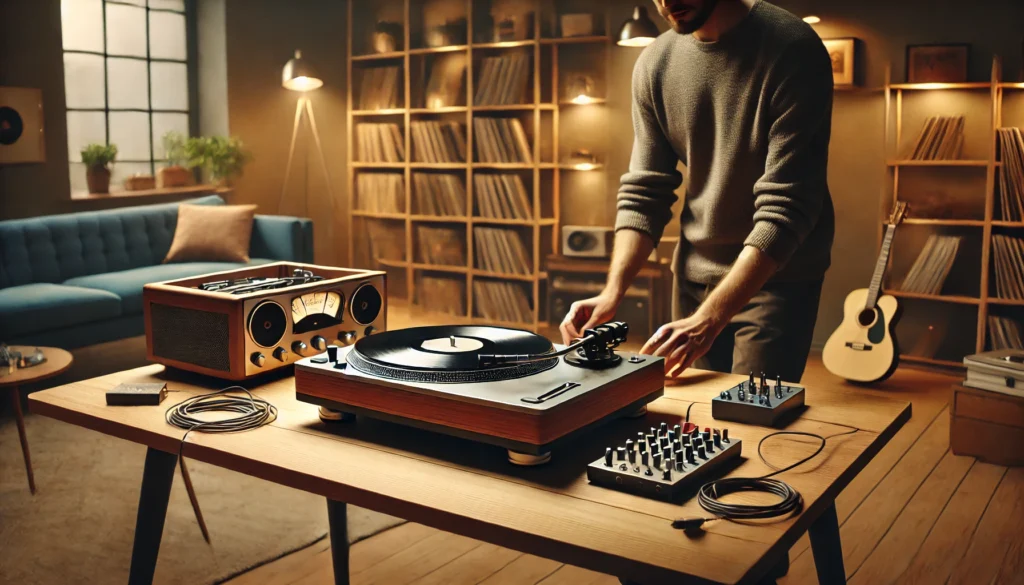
(917, 514)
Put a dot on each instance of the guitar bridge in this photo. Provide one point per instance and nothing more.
(858, 346)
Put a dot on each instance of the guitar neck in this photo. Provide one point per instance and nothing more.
(883, 261)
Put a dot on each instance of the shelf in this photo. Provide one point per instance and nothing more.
(944, 222)
(508, 166)
(377, 214)
(505, 44)
(934, 86)
(446, 49)
(592, 102)
(527, 222)
(1001, 223)
(938, 163)
(506, 324)
(960, 300)
(425, 165)
(568, 167)
(440, 218)
(377, 165)
(513, 108)
(379, 56)
(509, 276)
(1006, 302)
(444, 110)
(1012, 85)
(392, 263)
(931, 361)
(440, 268)
(576, 40)
(160, 192)
(383, 112)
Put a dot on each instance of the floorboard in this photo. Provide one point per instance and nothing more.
(996, 553)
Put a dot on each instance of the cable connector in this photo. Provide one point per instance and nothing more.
(689, 524)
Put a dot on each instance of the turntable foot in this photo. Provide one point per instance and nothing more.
(528, 459)
(331, 415)
(642, 411)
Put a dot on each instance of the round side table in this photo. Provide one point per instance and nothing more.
(57, 362)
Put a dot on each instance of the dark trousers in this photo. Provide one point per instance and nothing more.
(771, 334)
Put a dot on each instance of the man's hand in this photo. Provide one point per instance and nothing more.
(684, 341)
(588, 313)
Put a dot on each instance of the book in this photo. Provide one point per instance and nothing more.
(438, 142)
(439, 194)
(503, 80)
(501, 140)
(1008, 259)
(502, 302)
(931, 268)
(380, 192)
(501, 250)
(379, 143)
(941, 138)
(378, 88)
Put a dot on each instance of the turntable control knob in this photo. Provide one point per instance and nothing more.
(318, 343)
(280, 354)
(608, 457)
(257, 359)
(299, 347)
(347, 337)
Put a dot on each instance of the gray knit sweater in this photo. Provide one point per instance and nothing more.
(750, 117)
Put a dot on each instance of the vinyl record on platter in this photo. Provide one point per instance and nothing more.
(447, 353)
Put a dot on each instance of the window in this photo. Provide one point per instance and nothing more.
(126, 80)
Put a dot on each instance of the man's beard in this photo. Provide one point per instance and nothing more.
(698, 21)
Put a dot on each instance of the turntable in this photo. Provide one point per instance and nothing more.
(499, 386)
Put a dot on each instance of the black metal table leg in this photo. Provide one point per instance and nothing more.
(337, 518)
(827, 548)
(149, 524)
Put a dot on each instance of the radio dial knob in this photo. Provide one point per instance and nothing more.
(280, 354)
(319, 343)
(257, 359)
(347, 337)
(299, 347)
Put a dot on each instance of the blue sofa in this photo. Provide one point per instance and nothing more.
(74, 280)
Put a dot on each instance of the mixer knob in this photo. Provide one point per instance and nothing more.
(689, 455)
(620, 454)
(318, 343)
(717, 439)
(679, 459)
(631, 455)
(299, 347)
(257, 359)
(608, 457)
(643, 457)
(702, 453)
(678, 430)
(667, 474)
(280, 354)
(629, 445)
(642, 447)
(725, 435)
(656, 460)
(663, 428)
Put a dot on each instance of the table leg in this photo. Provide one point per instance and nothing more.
(157, 478)
(16, 402)
(337, 518)
(827, 548)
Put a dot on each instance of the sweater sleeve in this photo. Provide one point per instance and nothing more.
(789, 197)
(647, 191)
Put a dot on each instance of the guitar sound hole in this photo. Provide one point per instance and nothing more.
(866, 317)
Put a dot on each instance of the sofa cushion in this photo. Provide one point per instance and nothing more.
(127, 284)
(55, 248)
(31, 308)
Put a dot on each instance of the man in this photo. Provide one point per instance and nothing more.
(740, 92)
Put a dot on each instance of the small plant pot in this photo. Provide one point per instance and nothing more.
(98, 179)
(173, 176)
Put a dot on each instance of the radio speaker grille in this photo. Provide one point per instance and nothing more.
(191, 336)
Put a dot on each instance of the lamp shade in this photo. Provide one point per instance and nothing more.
(638, 31)
(299, 75)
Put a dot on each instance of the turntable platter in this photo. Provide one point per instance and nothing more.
(447, 353)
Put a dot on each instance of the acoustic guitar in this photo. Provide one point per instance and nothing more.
(864, 348)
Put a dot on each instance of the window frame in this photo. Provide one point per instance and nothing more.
(191, 76)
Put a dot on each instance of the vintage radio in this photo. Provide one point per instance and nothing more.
(586, 241)
(242, 323)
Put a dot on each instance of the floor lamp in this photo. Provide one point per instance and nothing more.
(299, 75)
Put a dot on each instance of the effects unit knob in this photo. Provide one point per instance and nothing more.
(318, 343)
(608, 456)
(280, 354)
(257, 359)
(299, 347)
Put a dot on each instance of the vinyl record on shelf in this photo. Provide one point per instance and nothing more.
(21, 125)
(11, 125)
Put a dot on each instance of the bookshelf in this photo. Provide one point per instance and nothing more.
(969, 296)
(538, 174)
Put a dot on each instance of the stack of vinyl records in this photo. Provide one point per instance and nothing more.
(1004, 333)
(502, 80)
(941, 138)
(438, 142)
(378, 88)
(387, 240)
(929, 272)
(445, 85)
(501, 140)
(442, 294)
(377, 143)
(380, 192)
(501, 197)
(1008, 257)
(504, 302)
(440, 245)
(1011, 174)
(439, 194)
(500, 250)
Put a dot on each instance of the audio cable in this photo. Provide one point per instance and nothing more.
(251, 412)
(790, 501)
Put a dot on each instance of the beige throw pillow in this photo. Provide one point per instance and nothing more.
(212, 233)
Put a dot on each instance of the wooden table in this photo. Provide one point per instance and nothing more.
(57, 362)
(469, 489)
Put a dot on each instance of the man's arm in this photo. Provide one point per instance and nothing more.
(645, 203)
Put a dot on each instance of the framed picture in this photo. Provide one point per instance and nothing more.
(843, 53)
(937, 63)
(21, 125)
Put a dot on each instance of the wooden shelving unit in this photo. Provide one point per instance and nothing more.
(544, 172)
(894, 123)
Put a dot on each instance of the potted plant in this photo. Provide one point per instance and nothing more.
(176, 173)
(221, 157)
(97, 159)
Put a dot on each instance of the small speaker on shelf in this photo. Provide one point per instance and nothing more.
(587, 241)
